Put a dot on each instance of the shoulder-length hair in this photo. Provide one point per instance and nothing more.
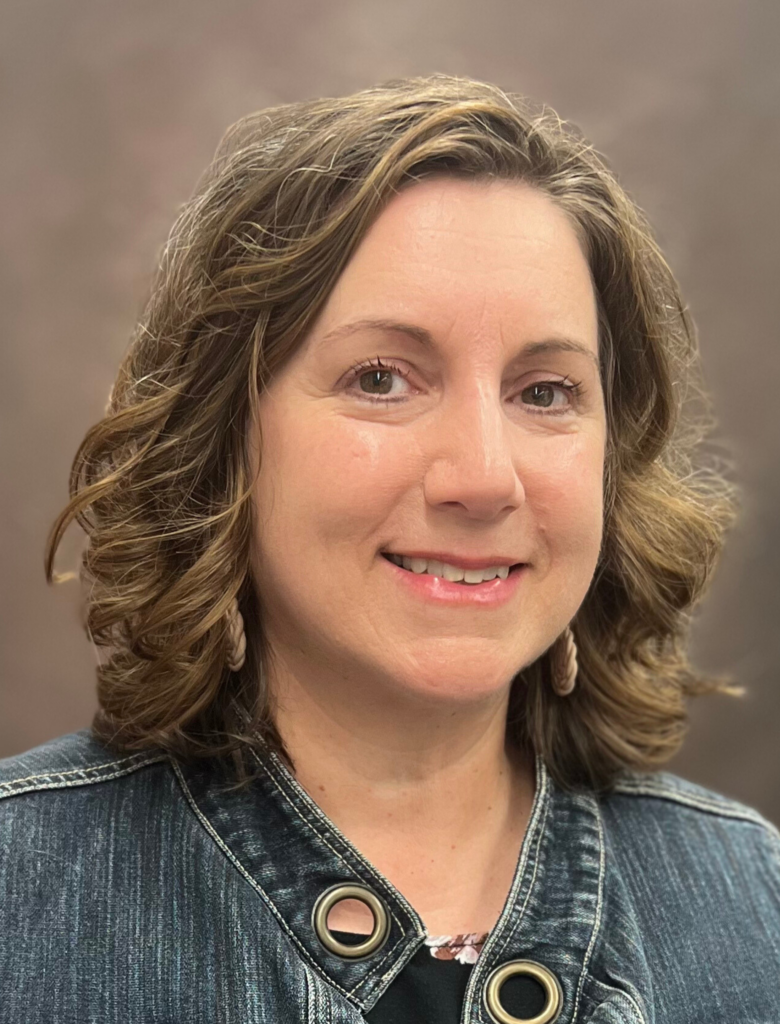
(162, 485)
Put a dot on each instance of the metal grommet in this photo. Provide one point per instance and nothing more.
(325, 904)
(543, 975)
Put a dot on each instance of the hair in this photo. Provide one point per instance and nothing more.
(162, 484)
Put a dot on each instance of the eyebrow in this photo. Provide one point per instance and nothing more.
(426, 339)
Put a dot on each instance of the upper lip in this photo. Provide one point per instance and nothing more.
(460, 561)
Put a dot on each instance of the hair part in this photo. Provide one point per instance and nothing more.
(162, 484)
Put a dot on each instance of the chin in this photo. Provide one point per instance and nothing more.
(444, 684)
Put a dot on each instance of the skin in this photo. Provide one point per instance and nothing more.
(393, 708)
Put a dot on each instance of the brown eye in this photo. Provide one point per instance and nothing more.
(542, 395)
(380, 379)
(373, 381)
(539, 394)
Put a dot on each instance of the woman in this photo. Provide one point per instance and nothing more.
(393, 540)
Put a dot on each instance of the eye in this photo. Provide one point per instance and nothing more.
(372, 381)
(375, 380)
(542, 395)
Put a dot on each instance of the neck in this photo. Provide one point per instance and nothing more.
(428, 792)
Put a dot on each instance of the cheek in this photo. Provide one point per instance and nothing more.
(332, 481)
(567, 498)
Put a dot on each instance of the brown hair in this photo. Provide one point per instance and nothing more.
(162, 484)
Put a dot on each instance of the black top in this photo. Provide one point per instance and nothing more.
(432, 986)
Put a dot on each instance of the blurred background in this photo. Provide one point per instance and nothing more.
(111, 111)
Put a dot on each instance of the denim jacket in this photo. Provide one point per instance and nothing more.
(136, 889)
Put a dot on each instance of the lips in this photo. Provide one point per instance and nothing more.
(459, 561)
(463, 593)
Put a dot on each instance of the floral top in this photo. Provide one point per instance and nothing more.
(463, 948)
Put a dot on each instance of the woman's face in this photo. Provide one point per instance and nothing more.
(479, 438)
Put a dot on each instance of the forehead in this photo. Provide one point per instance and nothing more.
(473, 253)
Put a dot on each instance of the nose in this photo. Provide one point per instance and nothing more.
(472, 457)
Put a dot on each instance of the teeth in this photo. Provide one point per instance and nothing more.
(450, 572)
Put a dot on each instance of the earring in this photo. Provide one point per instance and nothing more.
(564, 663)
(236, 637)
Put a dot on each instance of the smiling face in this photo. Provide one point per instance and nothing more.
(480, 437)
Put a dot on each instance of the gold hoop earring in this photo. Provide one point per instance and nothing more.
(236, 655)
(564, 663)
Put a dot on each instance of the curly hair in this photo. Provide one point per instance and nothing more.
(162, 484)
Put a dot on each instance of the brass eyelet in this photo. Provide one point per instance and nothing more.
(373, 942)
(542, 974)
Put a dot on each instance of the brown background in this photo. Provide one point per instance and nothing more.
(112, 110)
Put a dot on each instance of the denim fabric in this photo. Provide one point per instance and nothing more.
(134, 889)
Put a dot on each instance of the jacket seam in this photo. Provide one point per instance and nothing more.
(533, 836)
(626, 997)
(330, 846)
(387, 955)
(58, 780)
(704, 804)
(215, 836)
(634, 1006)
(326, 823)
(531, 885)
(597, 918)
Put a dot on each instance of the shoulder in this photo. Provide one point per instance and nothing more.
(71, 762)
(663, 830)
(688, 899)
(664, 793)
(72, 802)
(667, 800)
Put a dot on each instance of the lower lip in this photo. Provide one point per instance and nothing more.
(489, 594)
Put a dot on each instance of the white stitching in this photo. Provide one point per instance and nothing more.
(635, 1006)
(376, 966)
(597, 919)
(328, 824)
(255, 885)
(623, 996)
(518, 920)
(384, 883)
(374, 874)
(71, 771)
(539, 809)
(377, 877)
(727, 809)
(127, 765)
(305, 820)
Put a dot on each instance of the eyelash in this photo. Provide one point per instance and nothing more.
(573, 388)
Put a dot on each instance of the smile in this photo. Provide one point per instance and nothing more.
(453, 573)
(466, 591)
